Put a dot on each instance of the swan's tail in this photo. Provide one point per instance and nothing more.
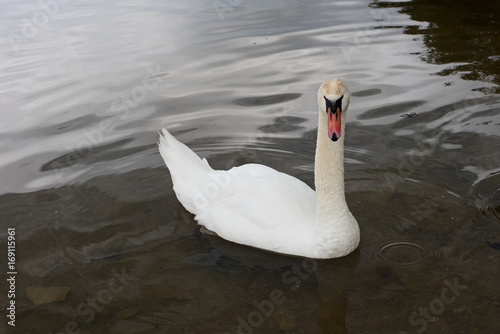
(187, 169)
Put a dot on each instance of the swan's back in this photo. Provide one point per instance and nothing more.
(251, 204)
(262, 208)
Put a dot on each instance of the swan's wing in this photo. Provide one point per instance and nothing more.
(252, 204)
(258, 206)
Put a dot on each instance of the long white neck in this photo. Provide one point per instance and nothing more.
(329, 171)
(336, 228)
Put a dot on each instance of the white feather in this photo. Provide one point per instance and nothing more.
(258, 206)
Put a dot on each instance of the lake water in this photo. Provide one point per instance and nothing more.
(103, 245)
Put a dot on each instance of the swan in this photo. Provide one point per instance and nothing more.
(257, 206)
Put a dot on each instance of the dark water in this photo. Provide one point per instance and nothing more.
(86, 84)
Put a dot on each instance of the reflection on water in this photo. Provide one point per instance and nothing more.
(86, 86)
(462, 35)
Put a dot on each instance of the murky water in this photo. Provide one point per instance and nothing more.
(85, 86)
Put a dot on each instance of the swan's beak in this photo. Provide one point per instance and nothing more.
(333, 113)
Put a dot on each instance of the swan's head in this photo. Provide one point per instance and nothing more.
(333, 100)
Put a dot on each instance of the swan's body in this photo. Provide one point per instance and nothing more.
(258, 206)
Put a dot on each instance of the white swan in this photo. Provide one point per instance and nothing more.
(258, 206)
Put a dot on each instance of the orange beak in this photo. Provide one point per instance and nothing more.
(334, 124)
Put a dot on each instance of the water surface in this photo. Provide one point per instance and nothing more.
(86, 85)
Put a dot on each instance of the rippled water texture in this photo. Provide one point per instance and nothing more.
(103, 245)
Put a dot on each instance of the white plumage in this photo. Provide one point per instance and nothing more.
(258, 206)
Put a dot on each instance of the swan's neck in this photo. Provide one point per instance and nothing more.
(336, 229)
(329, 171)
